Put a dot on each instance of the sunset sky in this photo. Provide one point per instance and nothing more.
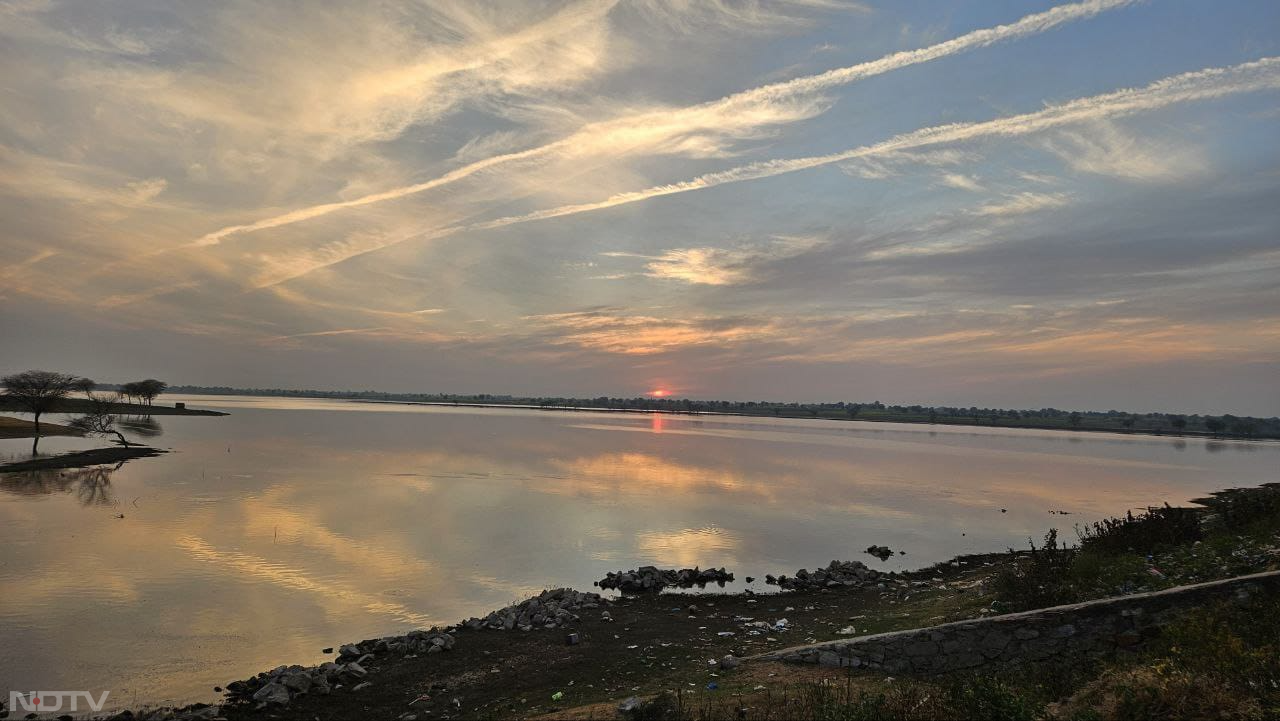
(974, 202)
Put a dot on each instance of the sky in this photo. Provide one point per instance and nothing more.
(972, 202)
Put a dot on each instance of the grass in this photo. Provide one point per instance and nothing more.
(1222, 661)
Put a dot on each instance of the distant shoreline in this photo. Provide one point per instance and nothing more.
(941, 421)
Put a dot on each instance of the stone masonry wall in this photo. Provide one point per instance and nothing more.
(1090, 628)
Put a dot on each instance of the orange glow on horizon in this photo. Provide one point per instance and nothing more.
(659, 393)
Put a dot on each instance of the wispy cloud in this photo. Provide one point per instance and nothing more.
(960, 181)
(703, 129)
(1211, 83)
(611, 330)
(718, 266)
(1103, 148)
(1020, 203)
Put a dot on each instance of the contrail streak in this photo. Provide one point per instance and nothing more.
(700, 116)
(1262, 74)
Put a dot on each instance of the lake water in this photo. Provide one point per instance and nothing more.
(293, 525)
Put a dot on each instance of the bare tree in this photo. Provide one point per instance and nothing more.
(38, 392)
(100, 420)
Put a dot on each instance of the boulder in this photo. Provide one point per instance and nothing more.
(272, 693)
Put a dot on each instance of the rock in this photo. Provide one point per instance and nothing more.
(629, 705)
(298, 682)
(729, 662)
(881, 552)
(361, 686)
(650, 579)
(355, 669)
(549, 609)
(350, 649)
(847, 574)
(272, 693)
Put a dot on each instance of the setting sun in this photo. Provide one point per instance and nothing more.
(659, 393)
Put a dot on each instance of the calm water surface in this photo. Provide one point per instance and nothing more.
(293, 525)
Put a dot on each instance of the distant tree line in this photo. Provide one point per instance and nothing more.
(1053, 418)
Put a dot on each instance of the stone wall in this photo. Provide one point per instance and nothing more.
(1091, 628)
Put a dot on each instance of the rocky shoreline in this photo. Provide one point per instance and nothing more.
(356, 665)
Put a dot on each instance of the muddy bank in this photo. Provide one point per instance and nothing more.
(18, 428)
(80, 459)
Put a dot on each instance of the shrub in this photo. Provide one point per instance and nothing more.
(1235, 508)
(1038, 578)
(1143, 533)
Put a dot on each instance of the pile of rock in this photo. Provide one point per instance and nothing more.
(282, 684)
(881, 552)
(837, 574)
(649, 579)
(549, 609)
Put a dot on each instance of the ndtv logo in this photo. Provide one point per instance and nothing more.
(50, 701)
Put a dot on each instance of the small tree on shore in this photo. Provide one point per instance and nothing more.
(85, 386)
(146, 390)
(100, 420)
(38, 392)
